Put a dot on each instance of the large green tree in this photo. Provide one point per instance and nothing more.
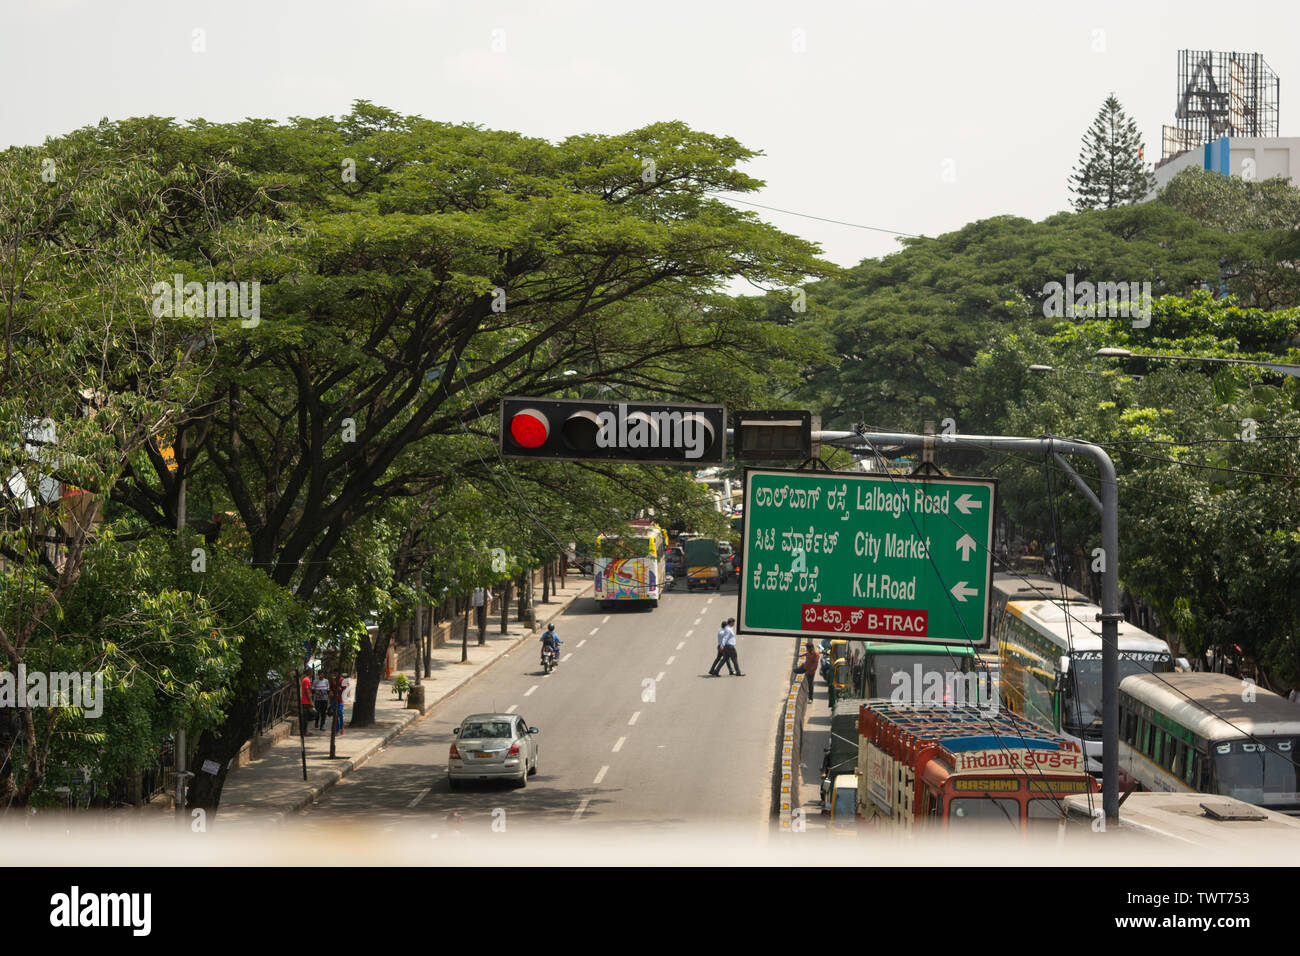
(409, 274)
(1111, 171)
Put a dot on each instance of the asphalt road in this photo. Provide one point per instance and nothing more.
(634, 733)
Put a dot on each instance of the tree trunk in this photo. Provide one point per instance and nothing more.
(546, 582)
(222, 745)
(464, 637)
(370, 671)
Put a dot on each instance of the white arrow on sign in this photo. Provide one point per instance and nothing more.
(966, 504)
(966, 545)
(961, 592)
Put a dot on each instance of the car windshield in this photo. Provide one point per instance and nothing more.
(486, 728)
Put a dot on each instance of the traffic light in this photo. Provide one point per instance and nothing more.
(768, 434)
(643, 432)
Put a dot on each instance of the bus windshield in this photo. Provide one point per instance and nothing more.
(1259, 771)
(879, 671)
(1081, 702)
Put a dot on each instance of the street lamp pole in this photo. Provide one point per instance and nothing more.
(1108, 505)
(1282, 368)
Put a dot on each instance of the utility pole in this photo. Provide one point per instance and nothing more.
(1107, 505)
(179, 750)
(419, 631)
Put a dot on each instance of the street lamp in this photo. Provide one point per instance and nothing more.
(1282, 368)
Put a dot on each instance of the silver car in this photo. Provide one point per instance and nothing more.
(492, 747)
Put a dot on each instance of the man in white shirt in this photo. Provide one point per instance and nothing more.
(732, 660)
(723, 657)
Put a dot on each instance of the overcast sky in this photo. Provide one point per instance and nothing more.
(917, 117)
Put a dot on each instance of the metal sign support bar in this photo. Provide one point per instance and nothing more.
(1109, 508)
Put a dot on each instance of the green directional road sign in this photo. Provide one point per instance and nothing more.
(837, 554)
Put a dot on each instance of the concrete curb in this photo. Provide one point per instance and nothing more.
(312, 793)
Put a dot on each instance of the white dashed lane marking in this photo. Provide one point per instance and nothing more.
(605, 619)
(618, 745)
(680, 645)
(689, 633)
(593, 631)
(632, 720)
(698, 619)
(511, 708)
(566, 657)
(660, 677)
(582, 806)
(669, 662)
(531, 689)
(600, 775)
(580, 643)
(420, 796)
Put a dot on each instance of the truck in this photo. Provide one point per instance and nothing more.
(954, 767)
(702, 560)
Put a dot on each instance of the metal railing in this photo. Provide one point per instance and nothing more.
(276, 706)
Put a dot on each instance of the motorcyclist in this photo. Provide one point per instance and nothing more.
(552, 640)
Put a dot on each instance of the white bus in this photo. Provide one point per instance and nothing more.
(1182, 823)
(1050, 666)
(629, 570)
(1194, 732)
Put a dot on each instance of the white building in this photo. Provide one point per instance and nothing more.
(1246, 157)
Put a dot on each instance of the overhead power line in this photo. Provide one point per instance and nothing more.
(804, 215)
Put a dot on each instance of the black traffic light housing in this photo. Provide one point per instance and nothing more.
(562, 429)
(772, 434)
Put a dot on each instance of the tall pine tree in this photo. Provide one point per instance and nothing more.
(1110, 171)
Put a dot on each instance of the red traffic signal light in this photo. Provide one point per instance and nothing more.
(529, 428)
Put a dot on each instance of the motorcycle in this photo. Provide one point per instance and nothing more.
(549, 660)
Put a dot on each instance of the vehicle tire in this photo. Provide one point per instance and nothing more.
(533, 771)
(522, 781)
(453, 783)
(653, 604)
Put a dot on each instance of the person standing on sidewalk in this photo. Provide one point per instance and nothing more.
(320, 695)
(810, 657)
(338, 687)
(732, 659)
(304, 702)
(722, 657)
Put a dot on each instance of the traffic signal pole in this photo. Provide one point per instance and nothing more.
(1107, 505)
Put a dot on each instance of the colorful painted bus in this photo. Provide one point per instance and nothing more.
(1050, 666)
(950, 768)
(1209, 733)
(629, 570)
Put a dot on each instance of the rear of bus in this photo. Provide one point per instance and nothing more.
(629, 571)
(902, 672)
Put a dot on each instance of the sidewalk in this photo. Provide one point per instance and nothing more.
(272, 787)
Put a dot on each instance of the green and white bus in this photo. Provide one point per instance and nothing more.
(1209, 733)
(1050, 657)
